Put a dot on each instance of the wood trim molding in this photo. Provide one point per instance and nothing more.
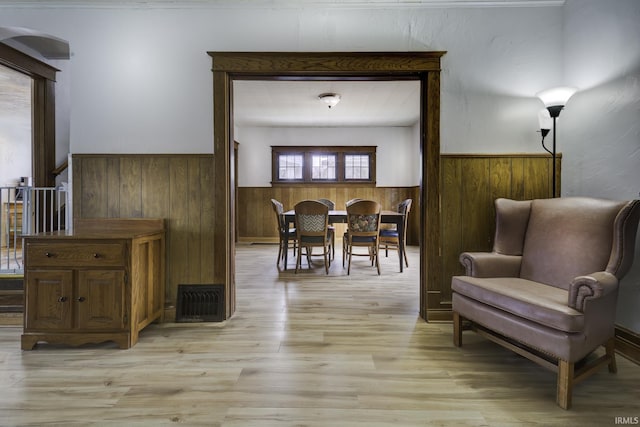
(421, 66)
(628, 344)
(317, 63)
(26, 64)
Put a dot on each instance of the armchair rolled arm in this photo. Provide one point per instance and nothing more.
(595, 285)
(490, 264)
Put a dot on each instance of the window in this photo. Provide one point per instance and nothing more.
(325, 164)
(323, 167)
(290, 166)
(356, 166)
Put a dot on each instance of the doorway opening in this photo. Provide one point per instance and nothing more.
(422, 66)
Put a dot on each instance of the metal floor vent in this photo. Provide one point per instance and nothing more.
(200, 303)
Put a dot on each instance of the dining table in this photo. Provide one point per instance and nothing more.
(340, 216)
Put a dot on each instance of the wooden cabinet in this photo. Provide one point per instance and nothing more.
(104, 282)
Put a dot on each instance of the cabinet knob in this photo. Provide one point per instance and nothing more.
(96, 255)
(81, 299)
(62, 299)
(48, 254)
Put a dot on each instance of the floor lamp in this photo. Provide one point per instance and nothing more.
(554, 100)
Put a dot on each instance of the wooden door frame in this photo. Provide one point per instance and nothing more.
(423, 66)
(43, 130)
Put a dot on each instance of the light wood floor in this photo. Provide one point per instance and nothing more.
(302, 350)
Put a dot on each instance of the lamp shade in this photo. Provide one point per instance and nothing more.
(556, 97)
(544, 118)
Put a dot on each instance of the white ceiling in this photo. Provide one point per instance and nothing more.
(296, 103)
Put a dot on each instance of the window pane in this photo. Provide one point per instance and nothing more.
(290, 166)
(356, 166)
(323, 166)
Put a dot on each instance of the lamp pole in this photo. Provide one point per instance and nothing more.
(554, 100)
(554, 112)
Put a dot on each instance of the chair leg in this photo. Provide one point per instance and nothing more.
(326, 262)
(376, 254)
(280, 254)
(299, 258)
(457, 329)
(565, 384)
(406, 260)
(349, 266)
(344, 250)
(333, 245)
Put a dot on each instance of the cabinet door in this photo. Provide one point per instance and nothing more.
(49, 299)
(100, 300)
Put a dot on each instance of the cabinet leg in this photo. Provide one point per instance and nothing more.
(27, 342)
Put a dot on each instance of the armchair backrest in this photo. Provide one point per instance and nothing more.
(512, 218)
(573, 236)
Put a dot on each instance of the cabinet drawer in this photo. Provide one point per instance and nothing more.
(75, 254)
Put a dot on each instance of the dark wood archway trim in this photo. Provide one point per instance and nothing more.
(43, 108)
(423, 66)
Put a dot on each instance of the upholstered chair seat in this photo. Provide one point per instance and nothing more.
(548, 290)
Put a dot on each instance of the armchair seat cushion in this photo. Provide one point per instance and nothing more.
(534, 301)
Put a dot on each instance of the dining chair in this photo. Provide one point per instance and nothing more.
(331, 205)
(390, 238)
(285, 233)
(352, 201)
(312, 226)
(363, 228)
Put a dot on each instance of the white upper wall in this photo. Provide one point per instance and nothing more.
(599, 131)
(141, 80)
(398, 152)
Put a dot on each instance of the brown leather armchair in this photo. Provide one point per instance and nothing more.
(548, 289)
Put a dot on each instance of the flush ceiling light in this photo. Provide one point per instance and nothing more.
(329, 98)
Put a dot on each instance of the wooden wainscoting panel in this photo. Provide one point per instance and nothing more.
(469, 185)
(257, 221)
(175, 187)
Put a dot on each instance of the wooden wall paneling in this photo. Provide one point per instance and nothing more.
(476, 214)
(267, 223)
(154, 186)
(537, 177)
(470, 184)
(257, 221)
(113, 186)
(517, 178)
(243, 203)
(452, 207)
(178, 219)
(500, 177)
(194, 202)
(500, 185)
(174, 187)
(207, 220)
(130, 196)
(94, 193)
